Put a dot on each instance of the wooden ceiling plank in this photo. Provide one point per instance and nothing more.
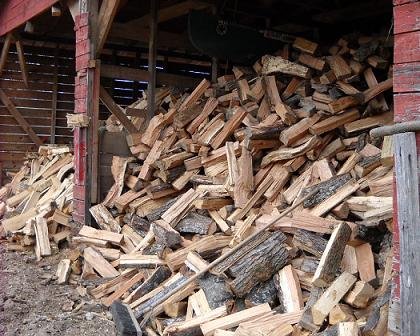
(171, 12)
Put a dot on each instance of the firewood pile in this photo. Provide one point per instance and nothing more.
(214, 166)
(36, 205)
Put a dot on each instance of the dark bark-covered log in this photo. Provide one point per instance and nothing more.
(217, 290)
(240, 253)
(259, 264)
(261, 132)
(331, 258)
(325, 190)
(374, 235)
(139, 224)
(309, 242)
(361, 142)
(170, 175)
(166, 234)
(367, 164)
(195, 223)
(155, 215)
(378, 312)
(156, 249)
(306, 321)
(329, 331)
(265, 292)
(139, 311)
(306, 264)
(153, 281)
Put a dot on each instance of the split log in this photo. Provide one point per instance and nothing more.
(216, 290)
(331, 297)
(259, 264)
(332, 255)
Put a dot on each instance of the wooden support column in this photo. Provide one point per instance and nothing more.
(151, 87)
(407, 177)
(406, 81)
(54, 97)
(5, 51)
(86, 101)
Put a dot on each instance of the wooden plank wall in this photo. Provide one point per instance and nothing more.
(35, 103)
(406, 107)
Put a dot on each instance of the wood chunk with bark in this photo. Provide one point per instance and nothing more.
(310, 242)
(340, 194)
(195, 223)
(325, 190)
(241, 253)
(104, 219)
(306, 320)
(217, 290)
(289, 291)
(377, 320)
(259, 264)
(262, 293)
(274, 64)
(331, 258)
(153, 281)
(367, 164)
(165, 234)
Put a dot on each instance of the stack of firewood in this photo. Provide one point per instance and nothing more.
(212, 167)
(36, 205)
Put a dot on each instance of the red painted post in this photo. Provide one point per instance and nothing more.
(406, 79)
(80, 194)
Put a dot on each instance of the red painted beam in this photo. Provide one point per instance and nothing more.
(14, 13)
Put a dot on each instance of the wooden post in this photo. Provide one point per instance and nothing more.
(85, 102)
(406, 109)
(54, 97)
(152, 58)
(214, 69)
(407, 178)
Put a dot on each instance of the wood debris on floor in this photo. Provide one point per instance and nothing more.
(211, 168)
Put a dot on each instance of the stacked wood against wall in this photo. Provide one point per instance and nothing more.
(50, 73)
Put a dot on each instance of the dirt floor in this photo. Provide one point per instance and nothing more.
(32, 304)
